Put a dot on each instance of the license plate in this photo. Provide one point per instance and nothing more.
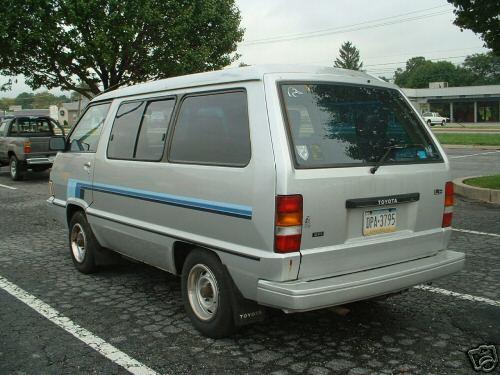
(379, 221)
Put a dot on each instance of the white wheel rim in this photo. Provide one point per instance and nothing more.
(78, 243)
(203, 292)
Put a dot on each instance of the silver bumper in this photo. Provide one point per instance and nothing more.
(294, 296)
(40, 161)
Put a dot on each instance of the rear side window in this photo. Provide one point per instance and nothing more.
(212, 129)
(334, 125)
(85, 136)
(140, 129)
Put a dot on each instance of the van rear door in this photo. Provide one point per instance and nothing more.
(371, 177)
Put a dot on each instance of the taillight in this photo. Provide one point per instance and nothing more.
(288, 229)
(27, 147)
(448, 205)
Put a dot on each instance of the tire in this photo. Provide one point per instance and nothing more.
(16, 169)
(83, 245)
(203, 268)
(443, 123)
(429, 122)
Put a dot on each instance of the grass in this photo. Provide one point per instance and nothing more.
(469, 139)
(489, 182)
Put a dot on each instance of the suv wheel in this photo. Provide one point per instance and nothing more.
(443, 123)
(206, 294)
(16, 169)
(429, 122)
(82, 243)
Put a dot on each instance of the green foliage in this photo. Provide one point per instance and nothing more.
(478, 69)
(488, 182)
(477, 139)
(349, 57)
(480, 16)
(41, 100)
(90, 45)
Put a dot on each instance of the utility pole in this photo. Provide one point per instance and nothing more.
(79, 104)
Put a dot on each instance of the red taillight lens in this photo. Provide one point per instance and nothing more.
(447, 219)
(448, 205)
(448, 194)
(288, 229)
(27, 147)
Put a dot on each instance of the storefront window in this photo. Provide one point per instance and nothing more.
(463, 111)
(487, 112)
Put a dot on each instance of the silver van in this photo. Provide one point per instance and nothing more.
(291, 187)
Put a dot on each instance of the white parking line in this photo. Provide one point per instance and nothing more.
(96, 343)
(476, 232)
(8, 187)
(466, 297)
(481, 153)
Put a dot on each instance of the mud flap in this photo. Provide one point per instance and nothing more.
(245, 311)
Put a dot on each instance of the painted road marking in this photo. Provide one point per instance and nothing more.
(466, 156)
(8, 187)
(466, 297)
(109, 351)
(476, 232)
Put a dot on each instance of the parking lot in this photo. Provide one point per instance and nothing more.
(133, 314)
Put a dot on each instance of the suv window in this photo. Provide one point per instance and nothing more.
(212, 129)
(333, 125)
(153, 134)
(87, 132)
(140, 130)
(124, 133)
(2, 128)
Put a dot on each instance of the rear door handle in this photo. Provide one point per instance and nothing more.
(87, 165)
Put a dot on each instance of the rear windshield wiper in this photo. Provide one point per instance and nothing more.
(386, 154)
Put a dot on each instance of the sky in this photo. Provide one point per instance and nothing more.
(387, 33)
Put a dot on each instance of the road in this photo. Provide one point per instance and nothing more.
(131, 312)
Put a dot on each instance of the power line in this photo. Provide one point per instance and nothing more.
(348, 28)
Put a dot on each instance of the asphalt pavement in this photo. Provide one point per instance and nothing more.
(134, 312)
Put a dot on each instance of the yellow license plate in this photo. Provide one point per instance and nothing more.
(379, 221)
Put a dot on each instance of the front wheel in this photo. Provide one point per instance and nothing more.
(16, 169)
(206, 294)
(443, 123)
(83, 245)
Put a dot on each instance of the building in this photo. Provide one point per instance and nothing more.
(475, 104)
(69, 112)
(52, 112)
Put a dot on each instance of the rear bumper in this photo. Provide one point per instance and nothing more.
(40, 161)
(294, 296)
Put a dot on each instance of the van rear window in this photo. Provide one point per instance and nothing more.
(334, 125)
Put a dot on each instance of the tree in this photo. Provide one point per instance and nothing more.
(94, 45)
(485, 67)
(480, 16)
(349, 57)
(478, 69)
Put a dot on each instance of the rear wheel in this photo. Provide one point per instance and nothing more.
(83, 245)
(16, 169)
(206, 294)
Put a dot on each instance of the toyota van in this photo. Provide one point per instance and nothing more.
(290, 187)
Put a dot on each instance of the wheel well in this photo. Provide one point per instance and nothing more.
(180, 252)
(10, 153)
(71, 210)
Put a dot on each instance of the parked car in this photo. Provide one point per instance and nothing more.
(434, 118)
(24, 144)
(296, 188)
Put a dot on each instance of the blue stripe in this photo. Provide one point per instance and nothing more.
(77, 188)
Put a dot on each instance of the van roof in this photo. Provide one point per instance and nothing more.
(238, 74)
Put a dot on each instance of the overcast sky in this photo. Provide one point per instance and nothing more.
(311, 32)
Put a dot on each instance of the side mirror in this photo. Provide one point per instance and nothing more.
(57, 143)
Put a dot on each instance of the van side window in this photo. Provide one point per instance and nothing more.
(140, 130)
(212, 129)
(87, 132)
(124, 133)
(153, 131)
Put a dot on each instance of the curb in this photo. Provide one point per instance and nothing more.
(478, 147)
(477, 193)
